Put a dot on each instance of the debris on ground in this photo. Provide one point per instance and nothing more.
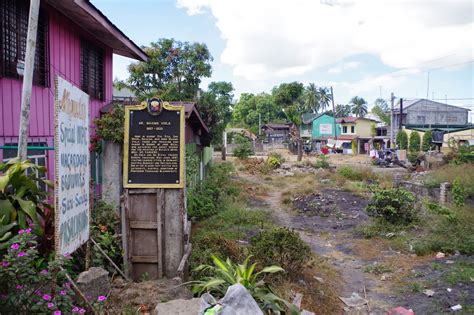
(355, 300)
(428, 293)
(400, 311)
(440, 255)
(456, 308)
(179, 307)
(237, 301)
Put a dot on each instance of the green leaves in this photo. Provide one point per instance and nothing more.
(226, 273)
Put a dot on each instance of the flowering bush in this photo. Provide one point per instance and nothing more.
(30, 285)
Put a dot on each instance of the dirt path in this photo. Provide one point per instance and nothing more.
(335, 246)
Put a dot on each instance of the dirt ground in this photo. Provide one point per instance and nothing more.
(328, 219)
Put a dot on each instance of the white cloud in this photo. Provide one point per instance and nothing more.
(343, 67)
(283, 38)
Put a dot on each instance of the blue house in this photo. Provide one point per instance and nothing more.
(320, 128)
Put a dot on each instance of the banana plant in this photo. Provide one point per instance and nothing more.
(21, 200)
(226, 273)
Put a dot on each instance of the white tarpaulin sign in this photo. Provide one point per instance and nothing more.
(325, 129)
(72, 167)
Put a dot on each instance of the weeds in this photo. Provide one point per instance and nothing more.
(462, 272)
(393, 205)
(448, 173)
(378, 269)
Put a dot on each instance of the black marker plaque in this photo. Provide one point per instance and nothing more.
(154, 146)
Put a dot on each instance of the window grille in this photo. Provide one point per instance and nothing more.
(13, 33)
(92, 70)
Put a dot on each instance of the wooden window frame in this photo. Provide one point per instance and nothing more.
(92, 65)
(353, 129)
(13, 33)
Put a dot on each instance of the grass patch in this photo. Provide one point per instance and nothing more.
(462, 272)
(448, 231)
(414, 287)
(448, 173)
(378, 269)
(357, 174)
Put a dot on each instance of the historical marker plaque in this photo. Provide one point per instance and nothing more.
(154, 145)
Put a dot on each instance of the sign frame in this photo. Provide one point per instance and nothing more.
(74, 92)
(126, 133)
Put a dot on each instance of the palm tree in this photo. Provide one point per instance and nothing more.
(359, 106)
(311, 98)
(324, 98)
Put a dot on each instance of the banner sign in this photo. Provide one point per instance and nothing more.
(325, 129)
(72, 167)
(154, 145)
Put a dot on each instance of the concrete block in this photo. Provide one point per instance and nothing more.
(94, 282)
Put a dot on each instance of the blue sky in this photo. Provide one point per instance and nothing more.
(352, 45)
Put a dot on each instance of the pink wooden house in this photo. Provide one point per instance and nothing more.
(76, 41)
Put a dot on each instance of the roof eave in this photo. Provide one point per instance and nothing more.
(85, 15)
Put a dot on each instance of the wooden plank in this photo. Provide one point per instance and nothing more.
(142, 191)
(127, 236)
(143, 225)
(173, 230)
(145, 259)
(160, 200)
(183, 265)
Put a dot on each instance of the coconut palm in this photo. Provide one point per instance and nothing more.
(311, 101)
(359, 106)
(324, 97)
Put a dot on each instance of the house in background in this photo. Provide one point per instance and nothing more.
(276, 133)
(357, 129)
(325, 129)
(75, 41)
(423, 113)
(306, 128)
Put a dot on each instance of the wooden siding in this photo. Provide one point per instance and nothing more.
(64, 59)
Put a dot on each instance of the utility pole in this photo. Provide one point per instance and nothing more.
(28, 79)
(392, 99)
(334, 114)
(259, 124)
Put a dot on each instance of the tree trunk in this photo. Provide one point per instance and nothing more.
(300, 150)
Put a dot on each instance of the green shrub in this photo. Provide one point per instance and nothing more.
(29, 283)
(223, 274)
(414, 145)
(426, 142)
(283, 247)
(208, 197)
(394, 205)
(356, 174)
(243, 148)
(402, 140)
(458, 193)
(322, 162)
(105, 230)
(274, 160)
(23, 201)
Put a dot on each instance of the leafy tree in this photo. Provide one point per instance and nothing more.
(324, 97)
(382, 110)
(343, 110)
(244, 147)
(174, 70)
(402, 140)
(286, 94)
(414, 145)
(250, 106)
(359, 106)
(215, 107)
(311, 98)
(426, 142)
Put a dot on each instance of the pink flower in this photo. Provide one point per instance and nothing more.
(57, 313)
(82, 311)
(19, 287)
(50, 305)
(5, 263)
(75, 309)
(46, 297)
(27, 231)
(21, 254)
(44, 271)
(62, 292)
(15, 246)
(101, 298)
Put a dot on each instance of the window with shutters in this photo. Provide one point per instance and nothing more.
(13, 33)
(92, 70)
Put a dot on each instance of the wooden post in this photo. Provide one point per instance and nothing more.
(28, 79)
